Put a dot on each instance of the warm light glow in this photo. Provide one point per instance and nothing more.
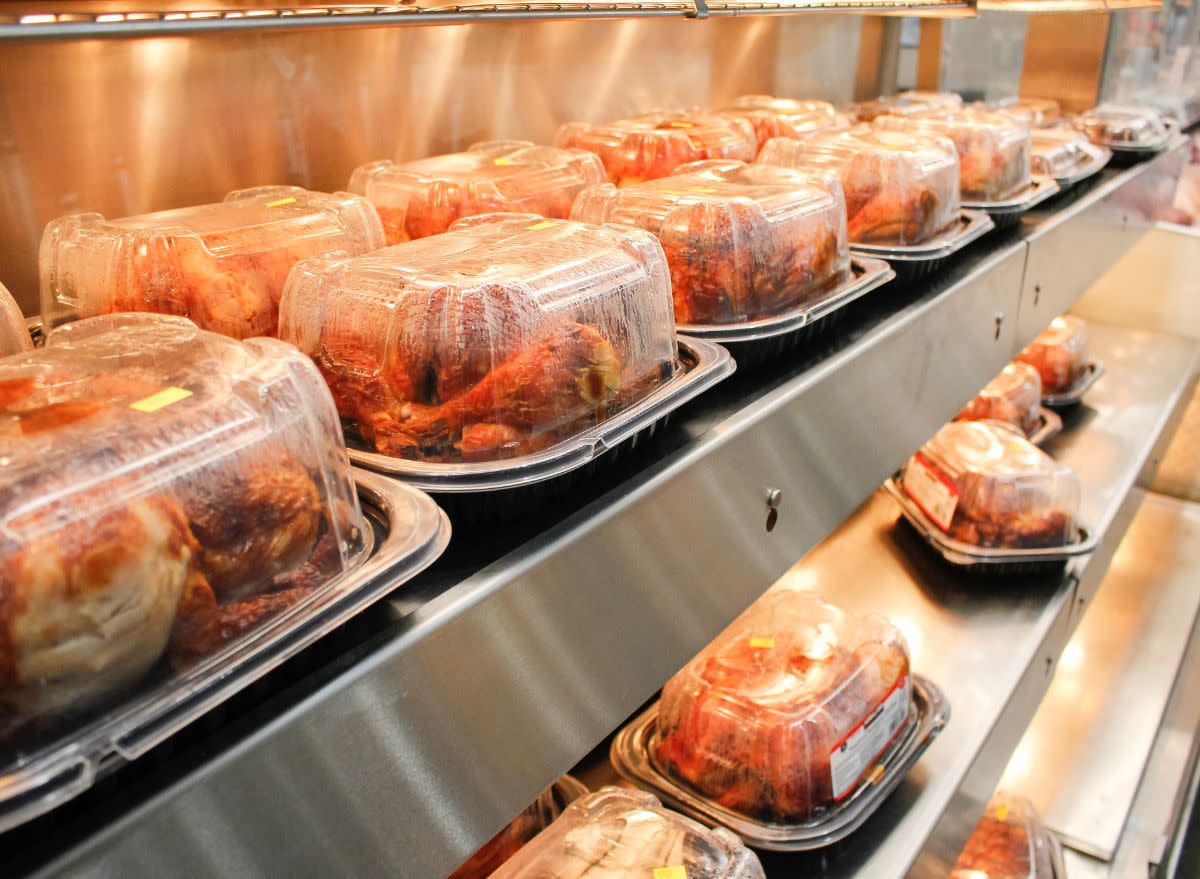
(1042, 5)
(110, 16)
(1072, 657)
(38, 19)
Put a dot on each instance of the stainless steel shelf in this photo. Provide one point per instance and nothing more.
(410, 738)
(50, 23)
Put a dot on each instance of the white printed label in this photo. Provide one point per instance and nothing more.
(854, 756)
(933, 492)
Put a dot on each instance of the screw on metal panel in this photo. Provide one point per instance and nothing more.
(774, 498)
(999, 323)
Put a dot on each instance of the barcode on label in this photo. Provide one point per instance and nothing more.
(855, 754)
(933, 492)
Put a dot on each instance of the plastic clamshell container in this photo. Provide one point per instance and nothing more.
(1058, 152)
(178, 515)
(1038, 112)
(532, 821)
(1059, 354)
(742, 241)
(785, 117)
(1010, 842)
(1124, 127)
(621, 833)
(222, 265)
(757, 721)
(905, 104)
(497, 340)
(14, 334)
(993, 149)
(900, 189)
(655, 144)
(1013, 397)
(422, 198)
(984, 485)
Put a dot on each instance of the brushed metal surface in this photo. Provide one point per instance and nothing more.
(1065, 244)
(1084, 754)
(127, 126)
(421, 751)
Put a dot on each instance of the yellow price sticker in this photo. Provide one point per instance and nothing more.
(502, 161)
(161, 400)
(876, 775)
(280, 202)
(707, 190)
(762, 643)
(683, 125)
(1002, 813)
(676, 872)
(545, 224)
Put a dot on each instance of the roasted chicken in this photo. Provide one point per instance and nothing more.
(1059, 354)
(652, 146)
(752, 722)
(1008, 843)
(149, 543)
(1014, 397)
(879, 211)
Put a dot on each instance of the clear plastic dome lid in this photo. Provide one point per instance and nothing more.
(742, 241)
(905, 104)
(1119, 125)
(769, 719)
(655, 144)
(993, 148)
(1059, 353)
(1057, 150)
(621, 833)
(1010, 842)
(165, 490)
(785, 117)
(504, 336)
(14, 334)
(221, 265)
(900, 188)
(984, 484)
(1014, 397)
(422, 198)
(1038, 112)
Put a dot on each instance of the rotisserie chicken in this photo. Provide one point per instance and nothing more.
(426, 197)
(742, 241)
(1117, 125)
(221, 265)
(1059, 353)
(654, 145)
(500, 338)
(785, 117)
(1010, 842)
(984, 484)
(899, 189)
(617, 834)
(1014, 397)
(756, 721)
(163, 492)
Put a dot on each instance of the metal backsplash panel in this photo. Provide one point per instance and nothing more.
(124, 127)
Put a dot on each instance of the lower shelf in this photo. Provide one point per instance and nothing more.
(991, 643)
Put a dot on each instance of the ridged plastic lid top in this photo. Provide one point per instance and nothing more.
(1121, 124)
(991, 451)
(1014, 397)
(421, 198)
(742, 241)
(655, 144)
(785, 117)
(222, 265)
(900, 188)
(1010, 842)
(502, 337)
(156, 480)
(757, 719)
(14, 334)
(621, 833)
(905, 104)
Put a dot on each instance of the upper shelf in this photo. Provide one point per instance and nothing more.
(91, 20)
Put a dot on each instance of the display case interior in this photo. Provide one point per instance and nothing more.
(14, 334)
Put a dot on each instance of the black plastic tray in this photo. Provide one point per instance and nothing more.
(1073, 395)
(1006, 213)
(914, 261)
